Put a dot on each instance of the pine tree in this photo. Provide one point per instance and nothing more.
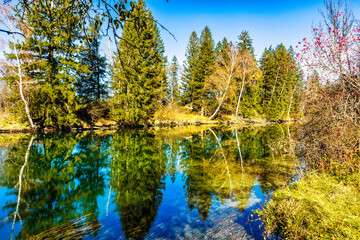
(205, 66)
(173, 81)
(92, 85)
(139, 71)
(190, 76)
(53, 44)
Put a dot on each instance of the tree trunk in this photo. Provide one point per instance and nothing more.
(239, 149)
(291, 99)
(239, 99)
(222, 98)
(21, 84)
(225, 161)
(20, 184)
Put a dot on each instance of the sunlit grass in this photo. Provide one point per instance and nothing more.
(316, 207)
(179, 116)
(11, 122)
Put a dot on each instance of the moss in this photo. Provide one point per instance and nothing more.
(319, 206)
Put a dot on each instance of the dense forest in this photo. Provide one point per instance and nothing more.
(55, 75)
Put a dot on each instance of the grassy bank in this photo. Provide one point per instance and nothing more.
(167, 116)
(319, 206)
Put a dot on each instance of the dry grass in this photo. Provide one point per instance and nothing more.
(173, 114)
(9, 121)
(316, 207)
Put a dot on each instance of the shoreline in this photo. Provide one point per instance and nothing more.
(127, 125)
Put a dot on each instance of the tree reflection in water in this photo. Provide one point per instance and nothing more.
(54, 179)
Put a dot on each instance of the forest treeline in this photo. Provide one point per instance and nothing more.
(55, 74)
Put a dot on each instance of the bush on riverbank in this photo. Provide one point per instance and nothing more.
(173, 114)
(316, 207)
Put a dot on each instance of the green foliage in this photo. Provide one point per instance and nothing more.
(63, 169)
(54, 66)
(281, 82)
(92, 85)
(137, 176)
(251, 101)
(190, 74)
(200, 59)
(316, 207)
(222, 49)
(253, 92)
(245, 43)
(173, 81)
(206, 66)
(139, 71)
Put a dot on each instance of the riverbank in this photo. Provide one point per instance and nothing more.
(318, 206)
(189, 120)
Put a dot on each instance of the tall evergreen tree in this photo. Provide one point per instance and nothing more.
(190, 76)
(92, 85)
(281, 82)
(218, 48)
(205, 66)
(173, 81)
(221, 50)
(245, 42)
(53, 43)
(139, 71)
(252, 95)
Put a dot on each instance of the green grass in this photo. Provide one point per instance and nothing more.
(318, 206)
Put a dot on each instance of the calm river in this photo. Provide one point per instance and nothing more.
(159, 183)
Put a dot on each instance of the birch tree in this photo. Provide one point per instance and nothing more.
(248, 72)
(8, 21)
(221, 82)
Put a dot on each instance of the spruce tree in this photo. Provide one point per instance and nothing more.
(281, 82)
(173, 81)
(252, 95)
(190, 76)
(222, 49)
(245, 43)
(139, 71)
(53, 43)
(92, 85)
(205, 66)
(218, 48)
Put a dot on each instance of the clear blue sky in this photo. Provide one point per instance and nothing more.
(269, 22)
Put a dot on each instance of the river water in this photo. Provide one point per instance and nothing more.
(157, 183)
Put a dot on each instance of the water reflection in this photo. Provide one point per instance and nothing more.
(137, 176)
(115, 181)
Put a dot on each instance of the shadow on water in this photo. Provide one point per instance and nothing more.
(183, 183)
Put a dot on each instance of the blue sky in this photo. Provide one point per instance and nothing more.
(269, 22)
